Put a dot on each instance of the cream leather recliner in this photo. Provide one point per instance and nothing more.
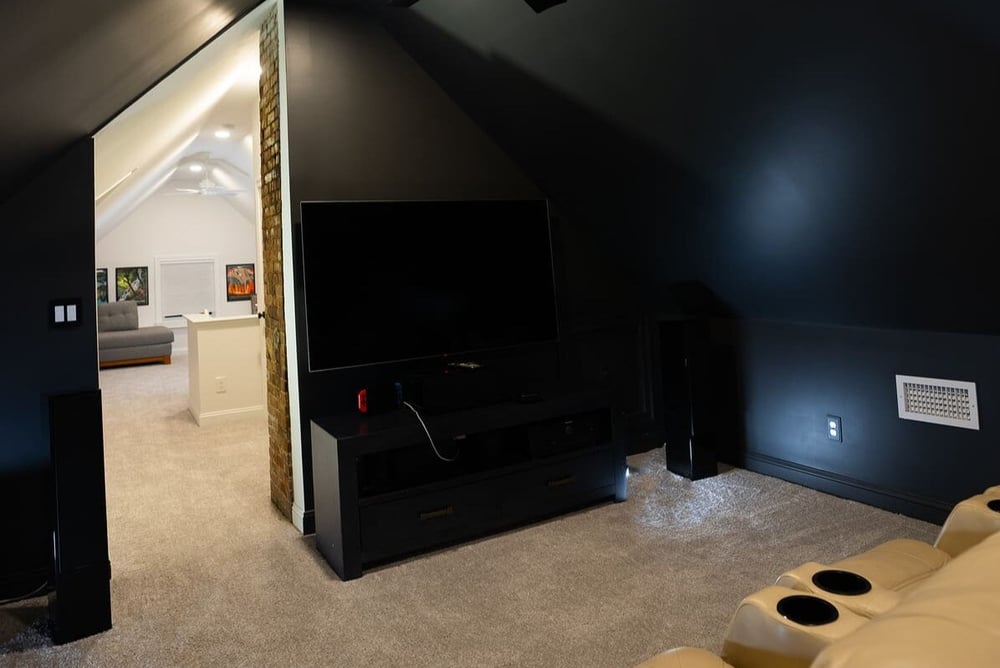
(903, 603)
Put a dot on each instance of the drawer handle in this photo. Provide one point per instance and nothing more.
(559, 482)
(434, 514)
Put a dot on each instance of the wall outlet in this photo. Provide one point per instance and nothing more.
(220, 384)
(834, 428)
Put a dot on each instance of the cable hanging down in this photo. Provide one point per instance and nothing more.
(429, 437)
(24, 597)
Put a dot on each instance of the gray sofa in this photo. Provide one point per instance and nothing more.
(121, 341)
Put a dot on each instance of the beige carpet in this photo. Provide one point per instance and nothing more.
(206, 573)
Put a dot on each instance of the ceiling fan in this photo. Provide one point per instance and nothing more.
(209, 187)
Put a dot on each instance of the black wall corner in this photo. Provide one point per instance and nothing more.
(51, 244)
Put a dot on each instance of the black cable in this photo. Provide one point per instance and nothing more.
(429, 438)
(23, 597)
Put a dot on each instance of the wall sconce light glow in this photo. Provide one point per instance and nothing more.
(195, 168)
(222, 134)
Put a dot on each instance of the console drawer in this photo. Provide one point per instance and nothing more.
(425, 520)
(552, 487)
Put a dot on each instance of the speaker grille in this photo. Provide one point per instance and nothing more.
(947, 402)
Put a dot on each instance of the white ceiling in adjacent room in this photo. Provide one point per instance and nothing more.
(192, 135)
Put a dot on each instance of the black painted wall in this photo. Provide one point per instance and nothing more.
(49, 237)
(366, 123)
(825, 170)
(741, 144)
(796, 374)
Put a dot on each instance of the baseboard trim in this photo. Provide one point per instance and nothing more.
(923, 508)
(299, 517)
(212, 417)
(308, 522)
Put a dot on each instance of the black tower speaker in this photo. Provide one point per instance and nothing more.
(697, 384)
(541, 5)
(81, 603)
(538, 5)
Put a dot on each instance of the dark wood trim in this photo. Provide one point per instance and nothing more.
(924, 508)
(308, 522)
(164, 359)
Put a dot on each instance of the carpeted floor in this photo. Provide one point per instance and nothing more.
(206, 573)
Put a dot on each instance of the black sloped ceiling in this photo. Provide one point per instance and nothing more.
(71, 66)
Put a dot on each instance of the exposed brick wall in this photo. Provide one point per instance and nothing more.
(278, 422)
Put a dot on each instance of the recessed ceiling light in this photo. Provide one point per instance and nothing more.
(222, 134)
(195, 167)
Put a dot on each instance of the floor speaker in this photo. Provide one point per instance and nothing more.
(541, 5)
(80, 605)
(696, 379)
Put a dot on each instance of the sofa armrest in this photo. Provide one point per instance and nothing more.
(897, 564)
(685, 657)
(778, 627)
(871, 598)
(969, 522)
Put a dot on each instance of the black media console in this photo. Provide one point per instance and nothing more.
(381, 493)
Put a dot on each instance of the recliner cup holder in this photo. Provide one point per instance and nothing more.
(842, 583)
(807, 610)
(994, 505)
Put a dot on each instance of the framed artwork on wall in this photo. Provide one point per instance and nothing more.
(240, 284)
(102, 285)
(132, 284)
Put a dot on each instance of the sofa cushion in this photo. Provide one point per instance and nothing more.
(143, 336)
(162, 350)
(117, 316)
(949, 619)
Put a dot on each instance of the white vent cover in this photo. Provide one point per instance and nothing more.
(948, 402)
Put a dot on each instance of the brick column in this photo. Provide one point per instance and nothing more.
(278, 422)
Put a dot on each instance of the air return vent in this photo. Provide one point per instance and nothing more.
(948, 402)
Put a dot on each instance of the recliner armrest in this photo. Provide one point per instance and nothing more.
(685, 657)
(969, 522)
(766, 632)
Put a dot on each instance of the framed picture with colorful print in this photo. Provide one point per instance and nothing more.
(240, 284)
(132, 284)
(102, 285)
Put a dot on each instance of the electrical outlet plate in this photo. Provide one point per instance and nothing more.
(834, 428)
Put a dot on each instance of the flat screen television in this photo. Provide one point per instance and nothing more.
(391, 281)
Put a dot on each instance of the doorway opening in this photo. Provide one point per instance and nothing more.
(178, 203)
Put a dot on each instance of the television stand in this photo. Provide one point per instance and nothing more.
(382, 494)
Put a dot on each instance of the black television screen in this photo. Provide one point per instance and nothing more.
(388, 281)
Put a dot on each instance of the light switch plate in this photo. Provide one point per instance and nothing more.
(66, 312)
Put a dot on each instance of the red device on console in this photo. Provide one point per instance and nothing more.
(378, 399)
